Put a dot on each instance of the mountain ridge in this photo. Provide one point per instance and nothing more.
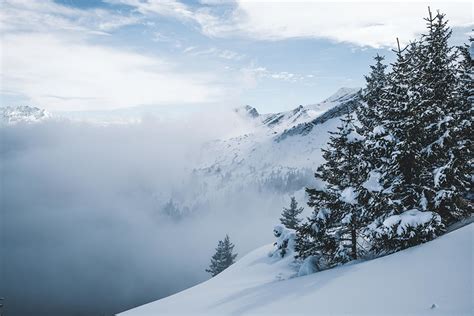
(302, 114)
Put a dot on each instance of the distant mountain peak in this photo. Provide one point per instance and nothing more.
(302, 117)
(22, 114)
(247, 110)
(340, 102)
(342, 94)
(298, 109)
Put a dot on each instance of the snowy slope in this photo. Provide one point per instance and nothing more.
(431, 279)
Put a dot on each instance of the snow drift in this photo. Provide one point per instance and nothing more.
(435, 278)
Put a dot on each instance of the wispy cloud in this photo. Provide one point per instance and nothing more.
(189, 49)
(258, 72)
(83, 76)
(49, 49)
(48, 16)
(49, 57)
(369, 23)
(171, 8)
(215, 52)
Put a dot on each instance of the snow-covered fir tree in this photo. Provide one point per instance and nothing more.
(408, 229)
(285, 243)
(367, 112)
(410, 174)
(370, 114)
(338, 220)
(223, 258)
(403, 165)
(390, 148)
(404, 168)
(289, 216)
(312, 236)
(378, 143)
(443, 184)
(464, 118)
(451, 151)
(426, 170)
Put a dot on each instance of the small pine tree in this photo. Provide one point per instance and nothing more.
(223, 258)
(290, 215)
(313, 237)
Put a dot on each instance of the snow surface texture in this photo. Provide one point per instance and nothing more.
(435, 278)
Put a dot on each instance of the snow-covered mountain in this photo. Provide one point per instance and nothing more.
(22, 114)
(431, 279)
(279, 122)
(278, 156)
(265, 144)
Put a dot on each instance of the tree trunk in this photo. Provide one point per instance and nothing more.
(353, 240)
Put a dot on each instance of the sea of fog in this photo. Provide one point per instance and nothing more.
(80, 222)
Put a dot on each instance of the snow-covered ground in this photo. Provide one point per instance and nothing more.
(435, 278)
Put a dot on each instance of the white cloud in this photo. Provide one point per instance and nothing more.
(47, 16)
(214, 51)
(49, 58)
(163, 7)
(252, 73)
(373, 24)
(189, 48)
(369, 23)
(59, 74)
(228, 54)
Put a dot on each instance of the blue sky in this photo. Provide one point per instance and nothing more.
(84, 55)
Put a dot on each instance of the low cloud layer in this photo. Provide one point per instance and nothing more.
(83, 232)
